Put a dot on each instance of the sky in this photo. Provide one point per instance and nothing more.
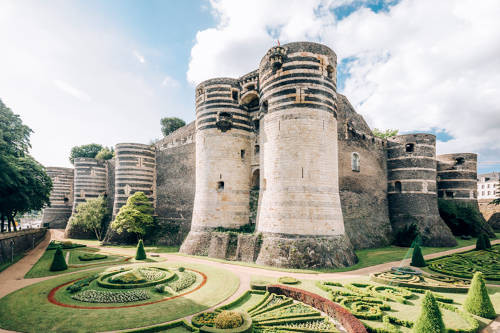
(105, 72)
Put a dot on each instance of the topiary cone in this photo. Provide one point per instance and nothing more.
(140, 254)
(417, 259)
(480, 243)
(430, 320)
(58, 263)
(478, 301)
(487, 242)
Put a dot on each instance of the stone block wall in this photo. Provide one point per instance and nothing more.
(90, 179)
(491, 213)
(23, 241)
(61, 198)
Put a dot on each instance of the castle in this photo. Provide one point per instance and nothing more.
(280, 152)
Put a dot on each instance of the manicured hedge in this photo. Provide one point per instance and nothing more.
(163, 327)
(92, 256)
(430, 319)
(102, 281)
(246, 327)
(478, 301)
(140, 254)
(58, 263)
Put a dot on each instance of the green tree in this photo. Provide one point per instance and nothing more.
(417, 259)
(135, 216)
(384, 134)
(481, 243)
(170, 124)
(105, 154)
(478, 301)
(91, 150)
(140, 254)
(90, 215)
(58, 263)
(24, 184)
(431, 319)
(495, 202)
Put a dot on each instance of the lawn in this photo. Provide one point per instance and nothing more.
(148, 248)
(31, 311)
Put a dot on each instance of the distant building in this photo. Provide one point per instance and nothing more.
(488, 186)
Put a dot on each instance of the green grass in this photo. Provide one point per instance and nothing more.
(149, 248)
(42, 267)
(30, 310)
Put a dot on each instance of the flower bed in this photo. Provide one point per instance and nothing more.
(91, 256)
(64, 245)
(99, 296)
(138, 278)
(425, 282)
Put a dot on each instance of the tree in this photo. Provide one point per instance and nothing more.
(90, 215)
(478, 301)
(140, 254)
(482, 242)
(495, 202)
(384, 134)
(90, 151)
(58, 263)
(170, 124)
(105, 154)
(431, 319)
(135, 216)
(417, 259)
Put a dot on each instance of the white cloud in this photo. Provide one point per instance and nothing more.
(420, 65)
(139, 56)
(170, 82)
(75, 92)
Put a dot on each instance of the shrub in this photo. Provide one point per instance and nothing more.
(58, 263)
(487, 241)
(430, 320)
(481, 243)
(140, 254)
(288, 280)
(91, 256)
(417, 258)
(181, 269)
(78, 285)
(478, 301)
(228, 319)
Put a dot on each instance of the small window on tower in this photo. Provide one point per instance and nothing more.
(410, 147)
(242, 153)
(257, 149)
(235, 95)
(450, 194)
(355, 162)
(66, 200)
(459, 161)
(220, 186)
(397, 187)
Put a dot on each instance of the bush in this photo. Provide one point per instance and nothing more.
(487, 241)
(481, 243)
(181, 269)
(417, 259)
(140, 254)
(430, 320)
(91, 256)
(288, 280)
(228, 319)
(58, 263)
(78, 285)
(478, 301)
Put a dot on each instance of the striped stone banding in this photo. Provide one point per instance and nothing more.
(62, 188)
(135, 171)
(90, 179)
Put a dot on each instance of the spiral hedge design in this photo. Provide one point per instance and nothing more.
(429, 282)
(464, 265)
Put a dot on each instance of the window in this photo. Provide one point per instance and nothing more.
(459, 161)
(256, 125)
(251, 87)
(257, 149)
(242, 153)
(450, 194)
(220, 186)
(397, 186)
(355, 163)
(66, 200)
(410, 147)
(235, 95)
(329, 71)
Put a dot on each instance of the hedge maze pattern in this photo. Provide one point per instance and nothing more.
(464, 265)
(429, 282)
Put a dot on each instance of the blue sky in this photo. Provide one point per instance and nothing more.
(107, 71)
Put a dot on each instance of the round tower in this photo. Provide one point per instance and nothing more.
(411, 164)
(457, 176)
(90, 179)
(300, 215)
(135, 171)
(61, 197)
(223, 142)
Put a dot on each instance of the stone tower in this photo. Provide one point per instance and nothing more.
(90, 179)
(135, 170)
(223, 142)
(411, 165)
(61, 197)
(300, 215)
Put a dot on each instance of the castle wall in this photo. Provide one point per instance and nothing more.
(457, 176)
(90, 179)
(491, 213)
(412, 188)
(61, 198)
(175, 184)
(363, 192)
(223, 142)
(299, 210)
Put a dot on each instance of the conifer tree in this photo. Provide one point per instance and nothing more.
(430, 320)
(417, 259)
(481, 242)
(478, 301)
(58, 263)
(140, 254)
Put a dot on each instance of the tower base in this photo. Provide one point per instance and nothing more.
(196, 243)
(432, 229)
(290, 251)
